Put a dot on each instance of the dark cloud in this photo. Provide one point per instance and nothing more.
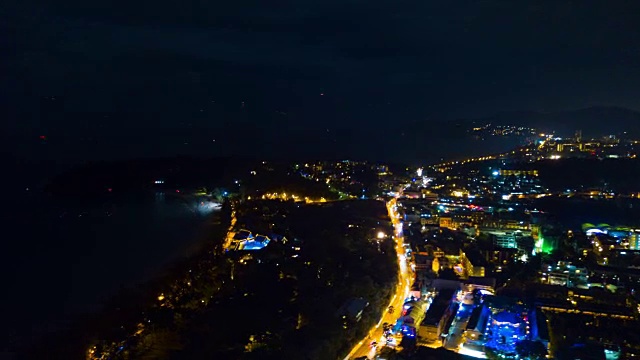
(375, 61)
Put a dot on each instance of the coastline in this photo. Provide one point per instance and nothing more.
(129, 299)
(66, 304)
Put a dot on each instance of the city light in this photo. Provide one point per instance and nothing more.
(471, 352)
(401, 292)
(459, 224)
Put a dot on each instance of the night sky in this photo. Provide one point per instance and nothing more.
(117, 79)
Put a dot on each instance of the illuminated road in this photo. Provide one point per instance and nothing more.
(363, 348)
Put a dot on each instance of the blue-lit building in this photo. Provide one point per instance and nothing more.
(504, 330)
(501, 323)
(413, 312)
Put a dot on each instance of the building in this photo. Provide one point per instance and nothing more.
(446, 222)
(423, 261)
(634, 240)
(484, 284)
(564, 274)
(413, 313)
(536, 231)
(429, 219)
(539, 328)
(456, 222)
(431, 327)
(505, 240)
(472, 264)
(506, 224)
(498, 324)
(499, 256)
(448, 255)
(475, 325)
(516, 172)
(429, 195)
(594, 302)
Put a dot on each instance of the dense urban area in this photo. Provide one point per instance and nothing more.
(529, 254)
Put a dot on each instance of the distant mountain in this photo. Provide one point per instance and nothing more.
(593, 121)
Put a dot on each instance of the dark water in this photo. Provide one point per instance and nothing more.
(62, 257)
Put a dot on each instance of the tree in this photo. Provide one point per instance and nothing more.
(219, 194)
(158, 344)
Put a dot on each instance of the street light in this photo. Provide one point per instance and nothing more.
(381, 235)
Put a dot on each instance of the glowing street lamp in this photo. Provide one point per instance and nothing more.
(381, 235)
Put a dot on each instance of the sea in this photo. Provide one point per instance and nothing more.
(64, 257)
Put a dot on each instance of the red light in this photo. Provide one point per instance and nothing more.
(177, 191)
(109, 189)
(42, 137)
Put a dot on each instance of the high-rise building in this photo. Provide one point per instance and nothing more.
(564, 274)
(505, 240)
